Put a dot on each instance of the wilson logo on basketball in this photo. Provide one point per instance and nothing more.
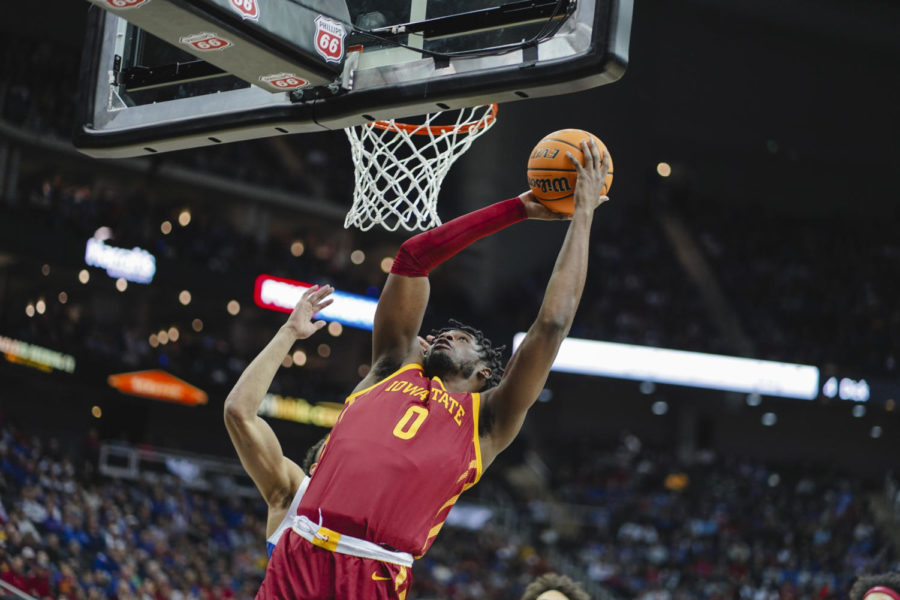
(329, 39)
(548, 184)
(284, 81)
(544, 152)
(248, 9)
(206, 42)
(125, 4)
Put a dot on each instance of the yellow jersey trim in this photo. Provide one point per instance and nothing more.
(400, 580)
(476, 410)
(355, 395)
(448, 503)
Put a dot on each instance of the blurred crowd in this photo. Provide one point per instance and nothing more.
(818, 291)
(653, 526)
(636, 291)
(213, 253)
(38, 84)
(176, 226)
(802, 292)
(67, 533)
(813, 290)
(636, 522)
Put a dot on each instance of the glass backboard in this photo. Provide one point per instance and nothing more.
(162, 75)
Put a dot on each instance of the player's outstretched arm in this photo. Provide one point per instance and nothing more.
(276, 476)
(527, 370)
(401, 307)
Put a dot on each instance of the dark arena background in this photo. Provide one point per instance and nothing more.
(754, 214)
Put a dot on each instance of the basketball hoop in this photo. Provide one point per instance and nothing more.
(399, 167)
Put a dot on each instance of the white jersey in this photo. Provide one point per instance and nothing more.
(272, 541)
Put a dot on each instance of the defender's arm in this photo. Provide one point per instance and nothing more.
(276, 476)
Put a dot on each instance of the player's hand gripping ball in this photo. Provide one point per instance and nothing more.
(551, 175)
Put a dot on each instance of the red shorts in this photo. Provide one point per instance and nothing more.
(300, 571)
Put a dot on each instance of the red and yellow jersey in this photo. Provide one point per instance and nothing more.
(401, 453)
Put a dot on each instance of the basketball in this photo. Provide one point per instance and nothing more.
(551, 175)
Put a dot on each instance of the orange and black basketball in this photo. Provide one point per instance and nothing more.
(551, 175)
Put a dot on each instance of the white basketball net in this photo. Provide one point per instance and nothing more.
(399, 167)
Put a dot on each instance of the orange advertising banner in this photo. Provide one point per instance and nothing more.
(159, 385)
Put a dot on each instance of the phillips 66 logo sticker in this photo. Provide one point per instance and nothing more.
(329, 39)
(205, 42)
(284, 81)
(123, 4)
(248, 9)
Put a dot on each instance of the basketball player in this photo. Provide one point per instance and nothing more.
(552, 586)
(419, 430)
(885, 586)
(280, 480)
(279, 518)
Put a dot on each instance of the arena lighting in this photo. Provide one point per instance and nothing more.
(692, 369)
(322, 414)
(847, 389)
(282, 295)
(16, 351)
(159, 385)
(469, 516)
(135, 265)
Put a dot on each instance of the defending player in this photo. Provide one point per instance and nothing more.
(416, 433)
(280, 518)
(884, 586)
(280, 480)
(552, 586)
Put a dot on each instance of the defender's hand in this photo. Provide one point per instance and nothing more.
(535, 210)
(591, 176)
(300, 323)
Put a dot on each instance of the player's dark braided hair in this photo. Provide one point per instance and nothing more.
(312, 455)
(493, 357)
(553, 581)
(867, 582)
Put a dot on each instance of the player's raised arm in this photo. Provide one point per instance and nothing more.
(527, 370)
(276, 476)
(405, 296)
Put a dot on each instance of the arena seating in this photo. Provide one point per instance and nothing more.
(649, 527)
